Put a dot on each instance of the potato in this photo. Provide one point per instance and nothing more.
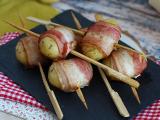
(91, 52)
(49, 48)
(21, 54)
(53, 77)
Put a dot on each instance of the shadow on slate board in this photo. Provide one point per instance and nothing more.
(99, 102)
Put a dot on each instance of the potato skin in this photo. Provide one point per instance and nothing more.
(49, 48)
(91, 52)
(53, 77)
(21, 54)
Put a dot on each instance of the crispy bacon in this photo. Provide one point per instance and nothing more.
(127, 62)
(73, 73)
(103, 36)
(30, 45)
(63, 38)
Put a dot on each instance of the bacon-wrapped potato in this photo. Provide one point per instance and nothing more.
(56, 43)
(99, 40)
(69, 75)
(126, 61)
(27, 52)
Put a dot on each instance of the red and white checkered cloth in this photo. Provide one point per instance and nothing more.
(8, 37)
(11, 91)
(152, 112)
(8, 89)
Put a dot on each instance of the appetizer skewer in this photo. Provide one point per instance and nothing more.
(24, 49)
(114, 95)
(25, 54)
(125, 61)
(71, 75)
(51, 95)
(112, 72)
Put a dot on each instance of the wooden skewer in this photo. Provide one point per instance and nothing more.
(21, 19)
(51, 95)
(78, 91)
(115, 96)
(134, 91)
(52, 23)
(78, 25)
(110, 71)
(98, 17)
(81, 96)
(22, 29)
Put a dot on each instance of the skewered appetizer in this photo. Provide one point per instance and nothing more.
(99, 40)
(126, 61)
(27, 52)
(56, 43)
(69, 75)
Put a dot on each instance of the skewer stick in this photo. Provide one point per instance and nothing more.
(22, 29)
(109, 70)
(78, 25)
(52, 23)
(81, 96)
(134, 91)
(79, 92)
(115, 96)
(51, 95)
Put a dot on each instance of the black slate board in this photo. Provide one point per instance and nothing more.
(99, 102)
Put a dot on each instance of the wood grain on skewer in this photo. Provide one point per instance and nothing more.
(51, 95)
(115, 96)
(134, 91)
(109, 70)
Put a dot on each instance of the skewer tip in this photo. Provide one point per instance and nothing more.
(81, 96)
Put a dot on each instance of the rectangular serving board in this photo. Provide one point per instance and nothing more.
(99, 102)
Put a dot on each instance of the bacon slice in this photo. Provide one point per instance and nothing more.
(30, 45)
(103, 36)
(72, 74)
(63, 38)
(127, 62)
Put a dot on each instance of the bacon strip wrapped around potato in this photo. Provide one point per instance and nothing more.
(69, 75)
(27, 52)
(127, 62)
(56, 43)
(99, 40)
